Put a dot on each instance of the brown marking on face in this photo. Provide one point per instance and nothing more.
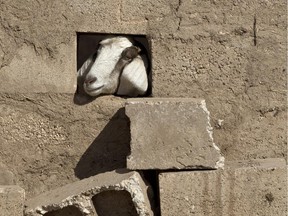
(130, 53)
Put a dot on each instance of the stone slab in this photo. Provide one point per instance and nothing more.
(171, 133)
(11, 200)
(257, 187)
(90, 196)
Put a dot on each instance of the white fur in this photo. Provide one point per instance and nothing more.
(133, 81)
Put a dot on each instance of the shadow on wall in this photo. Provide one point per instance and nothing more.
(109, 150)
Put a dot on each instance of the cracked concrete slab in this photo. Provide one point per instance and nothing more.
(85, 195)
(171, 133)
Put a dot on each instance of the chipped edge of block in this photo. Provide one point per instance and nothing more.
(209, 128)
(132, 185)
(83, 201)
(160, 100)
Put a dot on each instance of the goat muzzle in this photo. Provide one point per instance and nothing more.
(90, 80)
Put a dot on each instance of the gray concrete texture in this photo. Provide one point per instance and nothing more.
(6, 176)
(231, 53)
(254, 187)
(120, 192)
(47, 141)
(11, 200)
(171, 133)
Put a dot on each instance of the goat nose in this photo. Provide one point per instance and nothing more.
(90, 80)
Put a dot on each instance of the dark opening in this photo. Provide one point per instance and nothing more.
(67, 211)
(151, 177)
(87, 45)
(114, 203)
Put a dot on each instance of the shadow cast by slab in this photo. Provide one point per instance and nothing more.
(109, 150)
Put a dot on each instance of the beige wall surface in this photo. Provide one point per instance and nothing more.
(230, 53)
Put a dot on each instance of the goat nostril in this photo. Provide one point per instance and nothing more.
(90, 80)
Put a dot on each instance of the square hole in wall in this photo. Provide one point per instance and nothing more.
(91, 48)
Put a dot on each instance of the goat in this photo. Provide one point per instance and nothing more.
(116, 68)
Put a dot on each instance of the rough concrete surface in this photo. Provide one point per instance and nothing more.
(6, 176)
(11, 200)
(171, 133)
(28, 72)
(96, 193)
(47, 141)
(254, 187)
(230, 53)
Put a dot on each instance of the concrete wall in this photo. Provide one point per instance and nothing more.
(231, 53)
(254, 187)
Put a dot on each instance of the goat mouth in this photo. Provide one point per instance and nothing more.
(90, 90)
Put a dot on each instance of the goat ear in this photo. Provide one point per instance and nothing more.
(137, 49)
(130, 53)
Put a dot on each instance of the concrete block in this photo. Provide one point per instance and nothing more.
(172, 133)
(94, 195)
(11, 200)
(257, 187)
